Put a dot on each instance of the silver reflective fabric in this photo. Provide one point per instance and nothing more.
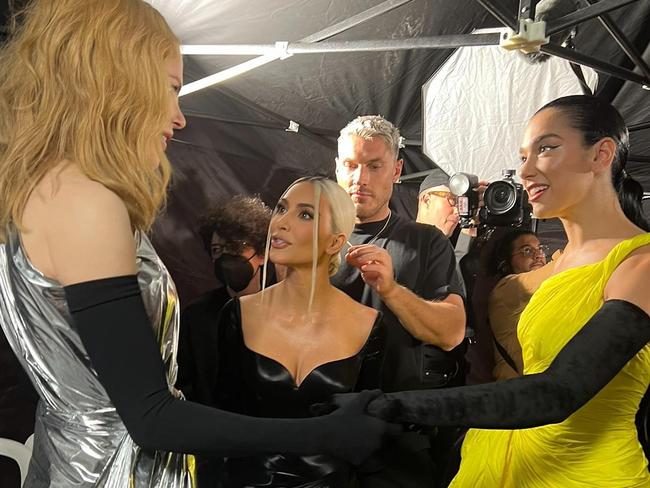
(80, 440)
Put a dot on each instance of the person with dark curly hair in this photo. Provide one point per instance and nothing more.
(518, 262)
(233, 233)
(234, 228)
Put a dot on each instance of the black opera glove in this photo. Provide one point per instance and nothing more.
(590, 360)
(115, 330)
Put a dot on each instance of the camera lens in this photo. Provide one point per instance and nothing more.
(500, 197)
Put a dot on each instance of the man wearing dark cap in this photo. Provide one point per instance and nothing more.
(436, 204)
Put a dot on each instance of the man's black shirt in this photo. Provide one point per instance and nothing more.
(197, 346)
(424, 262)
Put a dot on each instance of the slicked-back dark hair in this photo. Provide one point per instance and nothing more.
(597, 119)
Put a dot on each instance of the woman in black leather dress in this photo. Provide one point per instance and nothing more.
(299, 341)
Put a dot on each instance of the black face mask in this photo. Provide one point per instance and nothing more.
(235, 272)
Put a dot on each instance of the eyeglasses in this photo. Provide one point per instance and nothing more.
(449, 196)
(532, 252)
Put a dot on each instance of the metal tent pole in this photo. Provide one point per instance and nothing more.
(583, 14)
(323, 34)
(291, 48)
(594, 10)
(620, 38)
(641, 126)
(594, 63)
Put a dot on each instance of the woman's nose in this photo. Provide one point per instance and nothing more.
(178, 119)
(527, 169)
(281, 222)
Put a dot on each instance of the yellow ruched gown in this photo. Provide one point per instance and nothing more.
(597, 446)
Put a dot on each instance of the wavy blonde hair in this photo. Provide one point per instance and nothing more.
(84, 81)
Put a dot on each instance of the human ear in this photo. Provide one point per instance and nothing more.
(258, 260)
(336, 243)
(399, 164)
(605, 152)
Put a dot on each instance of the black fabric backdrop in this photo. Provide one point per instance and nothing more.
(236, 141)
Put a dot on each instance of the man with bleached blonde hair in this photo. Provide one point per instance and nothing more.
(408, 271)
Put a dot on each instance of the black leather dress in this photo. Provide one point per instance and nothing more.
(253, 384)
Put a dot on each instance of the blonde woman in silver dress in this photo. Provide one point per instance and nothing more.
(88, 102)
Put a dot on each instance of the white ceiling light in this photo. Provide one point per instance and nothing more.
(227, 74)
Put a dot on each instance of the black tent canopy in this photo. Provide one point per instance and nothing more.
(256, 132)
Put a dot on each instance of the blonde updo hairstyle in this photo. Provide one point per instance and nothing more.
(84, 81)
(342, 221)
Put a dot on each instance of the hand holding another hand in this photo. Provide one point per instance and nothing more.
(354, 435)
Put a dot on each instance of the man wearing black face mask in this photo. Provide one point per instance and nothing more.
(236, 272)
(234, 234)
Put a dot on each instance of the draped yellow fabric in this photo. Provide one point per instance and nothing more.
(596, 446)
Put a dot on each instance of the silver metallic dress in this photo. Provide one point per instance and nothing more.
(80, 440)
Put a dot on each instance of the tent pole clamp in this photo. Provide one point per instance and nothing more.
(293, 127)
(530, 38)
(282, 48)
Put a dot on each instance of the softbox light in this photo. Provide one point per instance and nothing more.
(477, 104)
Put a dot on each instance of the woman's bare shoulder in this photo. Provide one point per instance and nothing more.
(66, 192)
(629, 280)
(256, 307)
(351, 308)
(82, 226)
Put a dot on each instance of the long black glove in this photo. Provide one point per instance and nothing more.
(117, 334)
(613, 336)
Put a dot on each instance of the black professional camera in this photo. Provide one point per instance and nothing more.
(505, 202)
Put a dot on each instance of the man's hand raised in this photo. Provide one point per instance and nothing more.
(375, 265)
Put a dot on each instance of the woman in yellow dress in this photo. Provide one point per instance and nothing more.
(569, 421)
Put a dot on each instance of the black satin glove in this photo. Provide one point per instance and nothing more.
(350, 402)
(590, 360)
(352, 415)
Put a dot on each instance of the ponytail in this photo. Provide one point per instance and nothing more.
(630, 195)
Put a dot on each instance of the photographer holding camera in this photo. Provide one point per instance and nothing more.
(437, 205)
(477, 207)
